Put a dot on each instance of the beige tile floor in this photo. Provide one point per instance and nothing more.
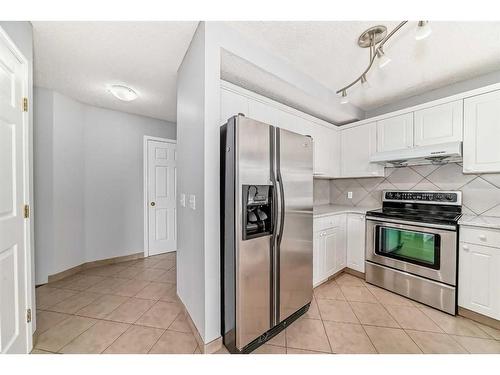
(132, 307)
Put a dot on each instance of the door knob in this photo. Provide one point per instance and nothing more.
(153, 204)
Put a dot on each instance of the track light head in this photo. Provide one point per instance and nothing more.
(383, 60)
(423, 30)
(364, 82)
(343, 98)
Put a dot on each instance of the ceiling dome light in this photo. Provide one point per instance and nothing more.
(344, 99)
(364, 82)
(122, 92)
(383, 60)
(423, 30)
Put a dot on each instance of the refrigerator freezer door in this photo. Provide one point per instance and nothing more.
(253, 256)
(295, 236)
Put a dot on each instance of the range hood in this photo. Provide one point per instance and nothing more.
(433, 154)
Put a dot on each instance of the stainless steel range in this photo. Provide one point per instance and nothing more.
(411, 246)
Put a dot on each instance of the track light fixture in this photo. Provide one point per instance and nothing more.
(374, 38)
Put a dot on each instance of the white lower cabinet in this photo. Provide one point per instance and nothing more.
(479, 272)
(356, 242)
(329, 255)
(339, 242)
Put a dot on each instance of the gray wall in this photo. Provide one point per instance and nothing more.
(89, 181)
(114, 180)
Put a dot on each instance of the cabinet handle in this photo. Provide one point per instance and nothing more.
(465, 247)
(482, 237)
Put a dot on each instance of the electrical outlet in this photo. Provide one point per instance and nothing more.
(349, 195)
(182, 200)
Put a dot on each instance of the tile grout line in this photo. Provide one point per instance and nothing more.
(362, 325)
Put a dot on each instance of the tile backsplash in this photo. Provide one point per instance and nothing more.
(481, 192)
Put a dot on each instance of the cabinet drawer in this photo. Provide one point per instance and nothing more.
(480, 236)
(328, 222)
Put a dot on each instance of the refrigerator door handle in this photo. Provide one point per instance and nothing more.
(281, 190)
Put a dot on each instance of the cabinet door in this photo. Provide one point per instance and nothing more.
(439, 124)
(395, 133)
(481, 133)
(326, 152)
(357, 145)
(231, 104)
(318, 257)
(356, 242)
(330, 238)
(479, 279)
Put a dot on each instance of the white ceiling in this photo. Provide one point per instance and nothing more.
(328, 52)
(79, 59)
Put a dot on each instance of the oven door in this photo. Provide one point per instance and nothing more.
(427, 251)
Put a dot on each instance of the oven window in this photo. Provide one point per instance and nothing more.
(414, 247)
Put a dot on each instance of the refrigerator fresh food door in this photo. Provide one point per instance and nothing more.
(253, 255)
(295, 231)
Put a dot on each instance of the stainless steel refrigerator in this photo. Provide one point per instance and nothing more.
(266, 230)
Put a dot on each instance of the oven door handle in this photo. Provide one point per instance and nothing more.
(412, 223)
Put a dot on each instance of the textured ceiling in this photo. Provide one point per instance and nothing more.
(79, 59)
(328, 52)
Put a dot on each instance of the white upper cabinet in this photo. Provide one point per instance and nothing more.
(395, 133)
(440, 124)
(482, 133)
(326, 152)
(231, 104)
(357, 144)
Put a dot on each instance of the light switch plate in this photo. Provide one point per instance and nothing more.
(192, 201)
(182, 200)
(349, 195)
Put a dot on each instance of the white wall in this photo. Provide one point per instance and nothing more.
(190, 180)
(442, 92)
(88, 181)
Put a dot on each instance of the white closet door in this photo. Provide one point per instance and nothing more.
(162, 197)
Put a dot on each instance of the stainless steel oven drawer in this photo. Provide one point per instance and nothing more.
(440, 296)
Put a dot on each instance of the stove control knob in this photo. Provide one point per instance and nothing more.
(449, 197)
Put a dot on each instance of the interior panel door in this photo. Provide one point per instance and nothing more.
(15, 331)
(162, 176)
(295, 239)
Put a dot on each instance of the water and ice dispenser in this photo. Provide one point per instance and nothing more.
(257, 211)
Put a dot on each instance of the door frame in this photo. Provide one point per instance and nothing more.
(145, 169)
(26, 171)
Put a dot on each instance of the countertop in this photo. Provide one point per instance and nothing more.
(332, 209)
(480, 221)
